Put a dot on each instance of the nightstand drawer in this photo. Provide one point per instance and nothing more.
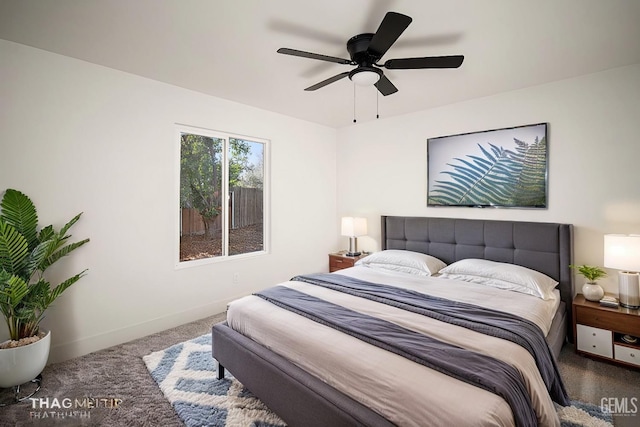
(594, 340)
(627, 354)
(340, 262)
(599, 318)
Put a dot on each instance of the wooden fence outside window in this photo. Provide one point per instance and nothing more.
(245, 206)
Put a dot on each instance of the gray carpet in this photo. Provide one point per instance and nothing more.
(588, 380)
(119, 372)
(116, 372)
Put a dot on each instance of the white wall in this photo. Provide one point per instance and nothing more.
(594, 154)
(76, 137)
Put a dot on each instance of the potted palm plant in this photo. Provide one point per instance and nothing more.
(591, 290)
(26, 252)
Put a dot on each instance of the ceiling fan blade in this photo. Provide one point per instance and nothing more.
(385, 86)
(310, 55)
(328, 81)
(453, 61)
(388, 32)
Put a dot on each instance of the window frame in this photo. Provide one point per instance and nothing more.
(266, 195)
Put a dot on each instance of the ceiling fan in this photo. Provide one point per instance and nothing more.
(367, 49)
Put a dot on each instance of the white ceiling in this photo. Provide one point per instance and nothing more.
(227, 48)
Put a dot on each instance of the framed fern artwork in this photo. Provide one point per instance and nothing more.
(504, 168)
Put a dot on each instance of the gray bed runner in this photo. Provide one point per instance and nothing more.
(480, 319)
(473, 368)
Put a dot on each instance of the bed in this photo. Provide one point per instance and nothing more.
(360, 385)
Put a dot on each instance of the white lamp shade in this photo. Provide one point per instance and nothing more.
(622, 251)
(354, 227)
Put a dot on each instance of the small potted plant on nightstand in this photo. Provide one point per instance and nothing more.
(591, 290)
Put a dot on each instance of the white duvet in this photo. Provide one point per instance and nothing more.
(404, 392)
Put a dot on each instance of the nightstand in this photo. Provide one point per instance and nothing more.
(338, 261)
(598, 332)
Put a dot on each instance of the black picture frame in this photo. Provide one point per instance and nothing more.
(498, 168)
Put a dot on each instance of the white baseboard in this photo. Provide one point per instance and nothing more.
(73, 349)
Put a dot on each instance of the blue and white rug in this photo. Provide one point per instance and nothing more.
(186, 374)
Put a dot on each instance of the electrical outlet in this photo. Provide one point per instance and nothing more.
(236, 277)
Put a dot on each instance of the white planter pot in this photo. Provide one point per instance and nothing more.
(592, 291)
(22, 364)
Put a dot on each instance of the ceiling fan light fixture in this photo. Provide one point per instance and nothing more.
(365, 76)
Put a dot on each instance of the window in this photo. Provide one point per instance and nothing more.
(222, 195)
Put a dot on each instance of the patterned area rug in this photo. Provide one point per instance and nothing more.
(186, 374)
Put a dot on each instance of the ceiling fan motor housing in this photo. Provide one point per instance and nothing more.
(357, 47)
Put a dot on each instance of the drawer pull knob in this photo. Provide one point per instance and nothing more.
(594, 334)
(633, 355)
(594, 346)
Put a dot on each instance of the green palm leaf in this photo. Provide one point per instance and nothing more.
(58, 290)
(14, 249)
(12, 289)
(64, 251)
(67, 226)
(38, 256)
(46, 233)
(19, 211)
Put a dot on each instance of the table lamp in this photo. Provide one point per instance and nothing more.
(352, 228)
(622, 252)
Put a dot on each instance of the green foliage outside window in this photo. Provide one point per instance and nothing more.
(201, 165)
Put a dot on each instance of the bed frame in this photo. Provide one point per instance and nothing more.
(301, 399)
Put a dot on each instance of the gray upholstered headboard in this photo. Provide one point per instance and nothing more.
(545, 247)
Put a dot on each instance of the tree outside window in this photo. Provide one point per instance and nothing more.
(221, 196)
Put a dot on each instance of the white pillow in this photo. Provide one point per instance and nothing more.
(501, 275)
(403, 261)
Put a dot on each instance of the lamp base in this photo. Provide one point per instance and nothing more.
(629, 290)
(353, 247)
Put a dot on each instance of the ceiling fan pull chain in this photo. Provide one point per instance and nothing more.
(354, 103)
(377, 104)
